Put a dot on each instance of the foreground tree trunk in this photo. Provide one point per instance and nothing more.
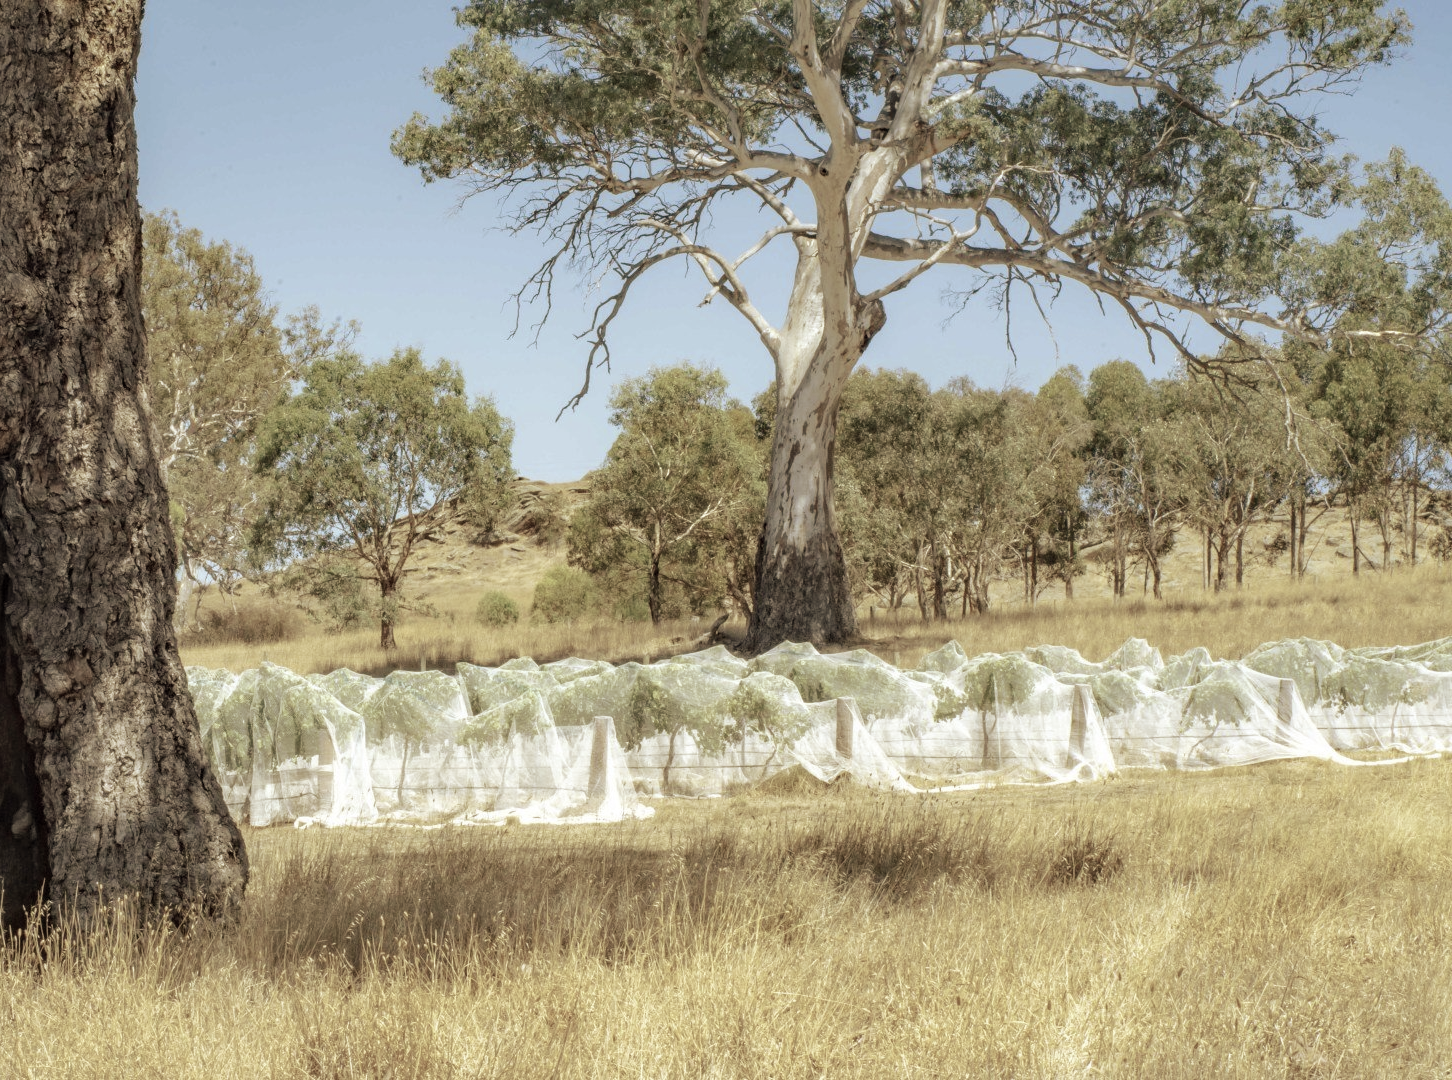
(104, 791)
(801, 573)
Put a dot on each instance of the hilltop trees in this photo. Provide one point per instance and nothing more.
(675, 504)
(1156, 155)
(104, 790)
(370, 459)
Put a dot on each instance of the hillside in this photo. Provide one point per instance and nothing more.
(452, 571)
(450, 574)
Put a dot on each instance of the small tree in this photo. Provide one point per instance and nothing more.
(372, 459)
(495, 610)
(664, 507)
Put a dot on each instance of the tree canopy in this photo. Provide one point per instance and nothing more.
(674, 508)
(219, 361)
(371, 459)
(1161, 155)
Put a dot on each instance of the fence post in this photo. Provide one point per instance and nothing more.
(846, 707)
(1286, 701)
(1078, 722)
(599, 759)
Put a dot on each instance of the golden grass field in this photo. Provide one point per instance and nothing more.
(1288, 920)
(1284, 920)
(1404, 607)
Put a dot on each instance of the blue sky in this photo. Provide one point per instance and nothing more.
(267, 124)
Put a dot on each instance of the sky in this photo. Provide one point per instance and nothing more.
(267, 124)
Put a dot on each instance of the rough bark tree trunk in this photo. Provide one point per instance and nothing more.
(801, 574)
(653, 588)
(1412, 524)
(1295, 549)
(387, 592)
(1069, 575)
(104, 791)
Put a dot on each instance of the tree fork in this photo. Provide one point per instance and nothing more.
(102, 776)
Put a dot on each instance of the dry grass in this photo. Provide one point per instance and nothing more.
(1284, 920)
(1399, 608)
(1404, 607)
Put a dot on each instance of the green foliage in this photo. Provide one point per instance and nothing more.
(767, 705)
(1440, 545)
(373, 458)
(563, 595)
(941, 488)
(495, 610)
(674, 511)
(217, 362)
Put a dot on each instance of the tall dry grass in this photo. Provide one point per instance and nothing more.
(1283, 920)
(1404, 607)
(1400, 608)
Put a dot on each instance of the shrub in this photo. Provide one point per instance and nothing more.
(564, 595)
(495, 609)
(1441, 544)
(254, 625)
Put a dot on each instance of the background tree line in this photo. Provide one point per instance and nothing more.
(285, 451)
(941, 492)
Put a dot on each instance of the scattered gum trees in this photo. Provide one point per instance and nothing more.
(945, 487)
(371, 459)
(104, 790)
(1156, 154)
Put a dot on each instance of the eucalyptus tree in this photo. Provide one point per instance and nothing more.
(1138, 464)
(104, 789)
(1156, 154)
(1386, 398)
(665, 509)
(1063, 514)
(1239, 463)
(219, 360)
(370, 460)
(891, 444)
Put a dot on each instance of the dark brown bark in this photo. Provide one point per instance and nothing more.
(95, 718)
(1069, 575)
(654, 589)
(388, 593)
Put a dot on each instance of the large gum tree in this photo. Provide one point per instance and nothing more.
(104, 792)
(1158, 153)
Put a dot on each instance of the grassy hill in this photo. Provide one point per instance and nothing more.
(451, 573)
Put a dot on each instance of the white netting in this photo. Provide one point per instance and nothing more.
(523, 742)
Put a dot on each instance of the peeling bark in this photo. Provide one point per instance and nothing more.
(802, 592)
(95, 719)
